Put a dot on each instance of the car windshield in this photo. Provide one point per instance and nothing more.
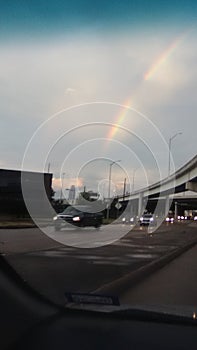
(98, 115)
(71, 210)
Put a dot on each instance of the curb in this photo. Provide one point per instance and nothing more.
(17, 226)
(120, 285)
(23, 226)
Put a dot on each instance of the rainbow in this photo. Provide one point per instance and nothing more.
(163, 58)
(121, 116)
(147, 76)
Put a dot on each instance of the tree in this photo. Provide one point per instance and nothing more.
(89, 196)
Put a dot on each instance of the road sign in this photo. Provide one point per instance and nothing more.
(118, 205)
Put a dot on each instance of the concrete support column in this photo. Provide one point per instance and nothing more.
(135, 207)
(167, 205)
(175, 210)
(140, 203)
(191, 186)
(131, 209)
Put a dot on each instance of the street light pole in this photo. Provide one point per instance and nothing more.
(169, 149)
(134, 171)
(109, 187)
(124, 188)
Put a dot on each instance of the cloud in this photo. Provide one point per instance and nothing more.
(58, 183)
(70, 91)
(103, 68)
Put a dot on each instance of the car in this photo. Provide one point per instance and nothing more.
(147, 219)
(79, 215)
(129, 220)
(181, 217)
(169, 219)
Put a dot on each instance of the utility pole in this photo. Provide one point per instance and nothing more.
(133, 182)
(49, 164)
(124, 189)
(109, 188)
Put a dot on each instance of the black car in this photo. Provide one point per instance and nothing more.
(79, 215)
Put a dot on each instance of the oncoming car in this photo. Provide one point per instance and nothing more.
(147, 219)
(170, 217)
(79, 215)
(129, 220)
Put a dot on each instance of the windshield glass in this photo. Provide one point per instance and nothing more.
(98, 113)
(70, 210)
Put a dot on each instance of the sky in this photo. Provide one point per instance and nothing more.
(84, 84)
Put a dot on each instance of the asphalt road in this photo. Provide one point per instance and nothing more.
(173, 285)
(85, 260)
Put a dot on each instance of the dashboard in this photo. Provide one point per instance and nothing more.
(29, 321)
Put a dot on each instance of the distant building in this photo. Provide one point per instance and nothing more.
(71, 195)
(36, 186)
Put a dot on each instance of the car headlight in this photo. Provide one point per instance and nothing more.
(55, 218)
(76, 218)
(167, 219)
(151, 219)
(141, 219)
(123, 219)
(132, 219)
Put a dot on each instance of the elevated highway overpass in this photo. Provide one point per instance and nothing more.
(184, 179)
